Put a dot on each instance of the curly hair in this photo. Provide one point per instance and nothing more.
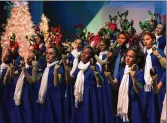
(150, 34)
(125, 34)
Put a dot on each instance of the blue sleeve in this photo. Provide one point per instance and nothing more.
(42, 61)
(70, 57)
(140, 77)
(161, 52)
(120, 75)
(19, 70)
(98, 68)
(163, 79)
(3, 74)
(61, 70)
(162, 42)
(93, 78)
(104, 56)
(18, 60)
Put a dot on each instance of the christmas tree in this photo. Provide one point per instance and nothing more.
(44, 27)
(21, 25)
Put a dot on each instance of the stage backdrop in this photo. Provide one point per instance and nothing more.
(138, 11)
(92, 15)
(72, 12)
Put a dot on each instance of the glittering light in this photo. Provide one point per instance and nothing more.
(44, 27)
(20, 23)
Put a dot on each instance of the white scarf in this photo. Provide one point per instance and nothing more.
(79, 85)
(76, 54)
(157, 39)
(19, 88)
(2, 67)
(123, 97)
(101, 56)
(148, 66)
(163, 114)
(44, 83)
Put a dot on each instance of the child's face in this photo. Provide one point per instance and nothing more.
(102, 46)
(130, 58)
(85, 55)
(159, 29)
(50, 55)
(148, 41)
(78, 44)
(121, 39)
(30, 58)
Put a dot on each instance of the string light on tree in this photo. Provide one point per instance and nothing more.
(44, 26)
(19, 23)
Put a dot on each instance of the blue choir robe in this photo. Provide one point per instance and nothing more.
(69, 95)
(161, 94)
(1, 108)
(104, 97)
(150, 100)
(161, 42)
(24, 113)
(5, 100)
(113, 62)
(52, 110)
(88, 110)
(135, 111)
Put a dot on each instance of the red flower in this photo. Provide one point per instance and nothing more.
(75, 26)
(59, 28)
(14, 45)
(112, 26)
(58, 39)
(55, 30)
(96, 40)
(80, 25)
(36, 46)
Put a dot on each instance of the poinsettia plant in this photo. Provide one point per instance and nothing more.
(13, 43)
(80, 31)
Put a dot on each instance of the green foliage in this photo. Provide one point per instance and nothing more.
(8, 6)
